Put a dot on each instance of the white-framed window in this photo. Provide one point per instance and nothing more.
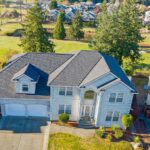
(119, 97)
(116, 116)
(64, 109)
(116, 97)
(68, 109)
(109, 116)
(65, 91)
(69, 91)
(25, 88)
(61, 109)
(112, 97)
(62, 91)
(112, 116)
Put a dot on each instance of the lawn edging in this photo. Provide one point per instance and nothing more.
(46, 136)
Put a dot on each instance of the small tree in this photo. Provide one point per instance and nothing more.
(59, 30)
(75, 29)
(127, 120)
(35, 38)
(53, 4)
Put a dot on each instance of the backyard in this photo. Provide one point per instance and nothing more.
(62, 141)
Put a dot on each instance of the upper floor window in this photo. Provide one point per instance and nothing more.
(69, 91)
(112, 97)
(89, 94)
(116, 97)
(25, 88)
(65, 91)
(62, 91)
(120, 97)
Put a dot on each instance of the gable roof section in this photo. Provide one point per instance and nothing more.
(46, 62)
(117, 71)
(30, 71)
(100, 69)
(77, 70)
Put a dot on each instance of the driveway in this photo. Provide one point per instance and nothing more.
(20, 133)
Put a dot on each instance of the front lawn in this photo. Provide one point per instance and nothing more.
(61, 141)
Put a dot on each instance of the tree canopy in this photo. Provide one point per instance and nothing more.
(35, 38)
(118, 32)
(59, 30)
(53, 4)
(75, 29)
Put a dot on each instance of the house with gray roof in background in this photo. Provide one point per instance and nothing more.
(85, 84)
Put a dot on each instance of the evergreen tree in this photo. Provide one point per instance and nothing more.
(75, 29)
(53, 4)
(35, 38)
(59, 30)
(118, 32)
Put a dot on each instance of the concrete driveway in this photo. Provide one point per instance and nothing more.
(20, 133)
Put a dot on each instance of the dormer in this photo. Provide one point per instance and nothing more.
(26, 79)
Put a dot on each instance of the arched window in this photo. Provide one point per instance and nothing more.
(89, 94)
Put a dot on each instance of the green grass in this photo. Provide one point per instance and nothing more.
(63, 46)
(61, 141)
(9, 28)
(8, 44)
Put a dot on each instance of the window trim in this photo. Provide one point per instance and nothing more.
(27, 86)
(116, 97)
(66, 91)
(112, 116)
(65, 106)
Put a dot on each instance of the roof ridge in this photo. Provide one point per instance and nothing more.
(74, 55)
(90, 70)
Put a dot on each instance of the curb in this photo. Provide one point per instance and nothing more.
(46, 137)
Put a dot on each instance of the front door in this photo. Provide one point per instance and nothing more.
(87, 111)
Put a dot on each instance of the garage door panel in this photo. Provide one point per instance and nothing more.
(15, 110)
(37, 110)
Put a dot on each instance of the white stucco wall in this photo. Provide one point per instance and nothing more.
(25, 80)
(122, 107)
(56, 100)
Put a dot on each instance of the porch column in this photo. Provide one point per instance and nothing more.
(97, 110)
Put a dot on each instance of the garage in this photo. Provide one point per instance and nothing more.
(37, 110)
(15, 110)
(26, 110)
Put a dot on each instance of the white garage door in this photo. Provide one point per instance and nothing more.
(37, 110)
(15, 110)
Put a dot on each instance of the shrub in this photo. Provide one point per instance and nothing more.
(118, 134)
(127, 120)
(100, 133)
(64, 118)
(109, 137)
(136, 139)
(114, 128)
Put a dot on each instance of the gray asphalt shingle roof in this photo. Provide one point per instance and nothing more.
(58, 69)
(44, 62)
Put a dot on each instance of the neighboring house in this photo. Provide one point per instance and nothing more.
(86, 83)
(147, 18)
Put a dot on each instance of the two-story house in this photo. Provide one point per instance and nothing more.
(85, 83)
